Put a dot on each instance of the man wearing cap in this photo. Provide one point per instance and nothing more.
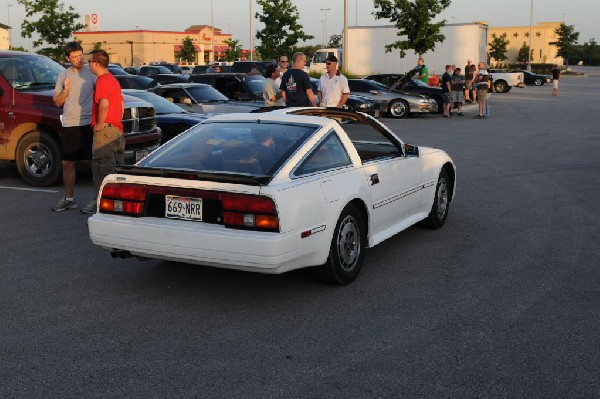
(333, 88)
(108, 148)
(424, 72)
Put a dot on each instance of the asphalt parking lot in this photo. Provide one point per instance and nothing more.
(501, 302)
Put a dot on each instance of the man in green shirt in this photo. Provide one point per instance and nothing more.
(424, 74)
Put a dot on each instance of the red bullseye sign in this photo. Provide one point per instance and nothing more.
(94, 18)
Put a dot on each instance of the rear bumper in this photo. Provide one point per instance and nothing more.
(203, 244)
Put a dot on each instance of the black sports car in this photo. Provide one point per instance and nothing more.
(534, 79)
(171, 118)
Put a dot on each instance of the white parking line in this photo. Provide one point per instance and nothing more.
(29, 189)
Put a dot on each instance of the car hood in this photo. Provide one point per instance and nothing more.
(184, 116)
(45, 95)
(405, 80)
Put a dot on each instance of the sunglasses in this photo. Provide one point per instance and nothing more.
(283, 60)
(328, 63)
(90, 61)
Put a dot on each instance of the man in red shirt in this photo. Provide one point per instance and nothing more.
(108, 148)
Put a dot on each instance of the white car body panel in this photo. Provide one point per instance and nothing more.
(311, 203)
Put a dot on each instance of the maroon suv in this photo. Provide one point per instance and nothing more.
(30, 122)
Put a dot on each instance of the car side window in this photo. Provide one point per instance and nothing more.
(329, 154)
(370, 143)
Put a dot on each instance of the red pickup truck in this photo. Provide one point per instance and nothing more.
(30, 122)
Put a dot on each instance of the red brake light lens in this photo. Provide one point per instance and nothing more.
(249, 211)
(126, 199)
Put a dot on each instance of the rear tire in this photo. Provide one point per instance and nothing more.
(538, 82)
(501, 86)
(38, 159)
(347, 248)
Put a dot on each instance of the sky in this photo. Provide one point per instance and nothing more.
(318, 17)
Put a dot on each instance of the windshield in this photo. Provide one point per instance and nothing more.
(161, 105)
(236, 147)
(205, 93)
(255, 84)
(30, 72)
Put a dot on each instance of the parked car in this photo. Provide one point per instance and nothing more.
(335, 183)
(174, 68)
(201, 98)
(246, 66)
(354, 102)
(135, 82)
(30, 122)
(534, 79)
(167, 78)
(187, 69)
(235, 86)
(407, 83)
(171, 118)
(132, 70)
(116, 69)
(397, 105)
(198, 69)
(150, 70)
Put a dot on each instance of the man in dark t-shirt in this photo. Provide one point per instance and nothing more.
(295, 84)
(447, 91)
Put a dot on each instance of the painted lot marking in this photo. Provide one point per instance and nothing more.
(29, 189)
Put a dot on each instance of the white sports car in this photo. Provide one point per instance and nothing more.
(272, 192)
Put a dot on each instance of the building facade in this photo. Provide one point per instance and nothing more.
(4, 37)
(542, 36)
(138, 47)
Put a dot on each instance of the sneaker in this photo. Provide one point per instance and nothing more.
(90, 207)
(461, 114)
(479, 117)
(65, 204)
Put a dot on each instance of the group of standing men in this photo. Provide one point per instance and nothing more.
(474, 86)
(291, 86)
(92, 116)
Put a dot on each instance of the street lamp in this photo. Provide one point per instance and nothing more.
(212, 36)
(251, 43)
(529, 50)
(325, 25)
(8, 6)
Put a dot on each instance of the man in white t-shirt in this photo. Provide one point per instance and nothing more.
(333, 88)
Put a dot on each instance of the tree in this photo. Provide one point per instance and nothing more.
(282, 30)
(335, 41)
(499, 48)
(54, 25)
(524, 53)
(413, 21)
(567, 38)
(589, 50)
(234, 50)
(187, 53)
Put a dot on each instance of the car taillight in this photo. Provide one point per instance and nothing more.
(249, 211)
(126, 199)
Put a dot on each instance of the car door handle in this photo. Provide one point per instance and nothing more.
(374, 179)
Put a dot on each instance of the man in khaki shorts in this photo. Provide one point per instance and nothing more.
(108, 148)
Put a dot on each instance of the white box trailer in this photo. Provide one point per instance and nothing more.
(366, 49)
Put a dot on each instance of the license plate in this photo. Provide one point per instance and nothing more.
(140, 154)
(185, 208)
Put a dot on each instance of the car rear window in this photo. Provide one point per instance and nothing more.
(254, 148)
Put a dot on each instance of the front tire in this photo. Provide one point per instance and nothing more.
(398, 109)
(538, 82)
(501, 86)
(38, 159)
(347, 248)
(441, 203)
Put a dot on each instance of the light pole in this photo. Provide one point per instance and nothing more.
(345, 51)
(251, 43)
(8, 6)
(325, 25)
(529, 50)
(212, 36)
